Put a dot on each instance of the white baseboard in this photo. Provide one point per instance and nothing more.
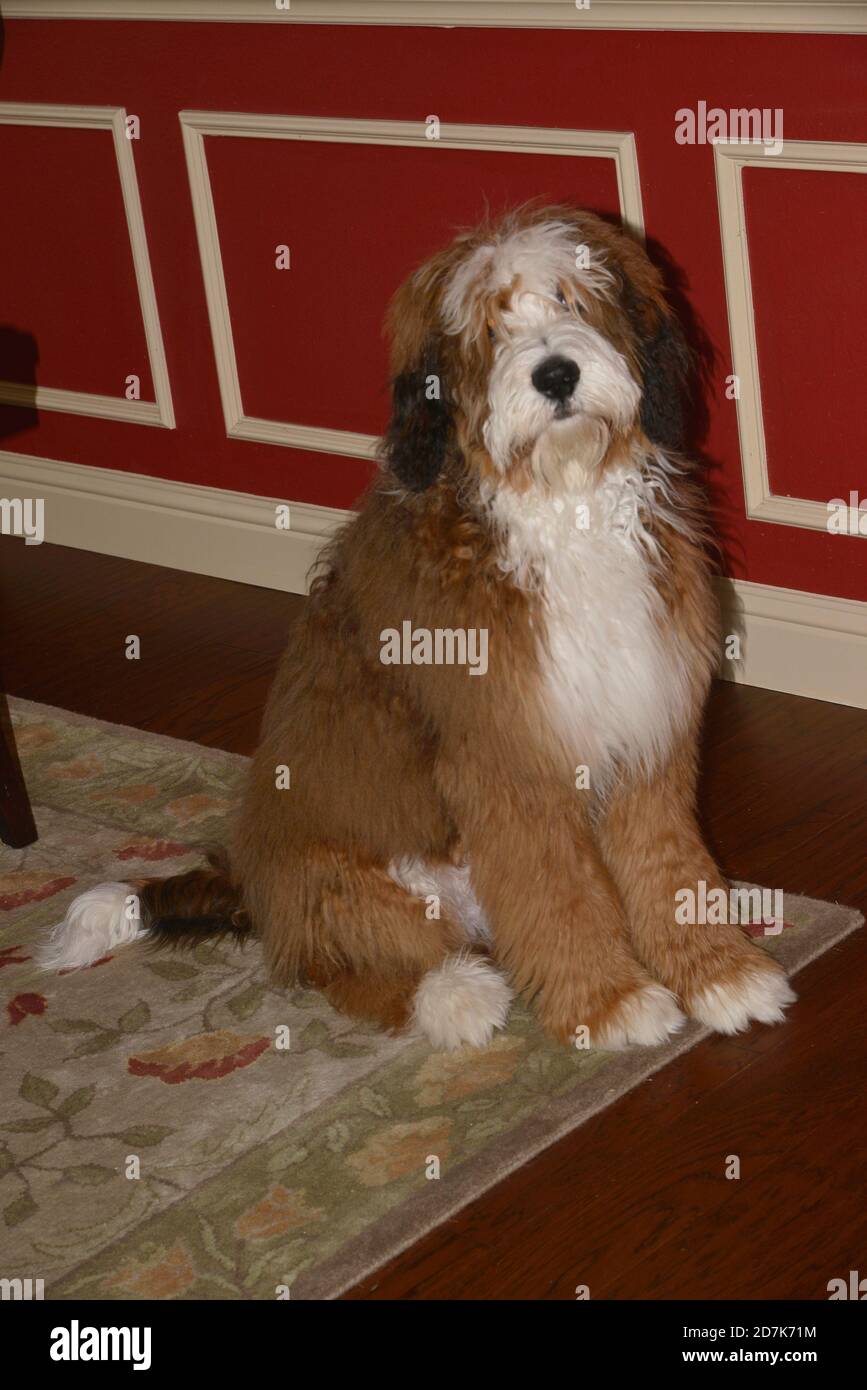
(804, 644)
(204, 530)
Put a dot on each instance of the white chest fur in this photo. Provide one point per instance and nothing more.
(615, 686)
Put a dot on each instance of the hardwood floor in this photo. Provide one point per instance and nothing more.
(635, 1203)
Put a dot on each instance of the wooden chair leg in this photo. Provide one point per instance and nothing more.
(17, 827)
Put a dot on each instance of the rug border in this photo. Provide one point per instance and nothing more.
(523, 1144)
(18, 704)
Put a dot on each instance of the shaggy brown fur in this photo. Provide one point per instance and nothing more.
(393, 761)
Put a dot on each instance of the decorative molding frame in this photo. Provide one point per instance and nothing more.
(160, 411)
(729, 160)
(196, 125)
(804, 644)
(774, 16)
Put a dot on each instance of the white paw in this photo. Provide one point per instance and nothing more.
(96, 922)
(461, 1001)
(648, 1017)
(758, 996)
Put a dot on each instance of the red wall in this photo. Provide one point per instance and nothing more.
(357, 218)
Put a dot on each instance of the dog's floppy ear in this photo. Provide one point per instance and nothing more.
(665, 363)
(420, 431)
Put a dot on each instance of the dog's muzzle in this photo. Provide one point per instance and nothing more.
(556, 378)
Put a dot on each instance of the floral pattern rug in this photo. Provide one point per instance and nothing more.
(174, 1127)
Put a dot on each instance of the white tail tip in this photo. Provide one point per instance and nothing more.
(96, 922)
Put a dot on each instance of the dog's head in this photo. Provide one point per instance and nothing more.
(532, 343)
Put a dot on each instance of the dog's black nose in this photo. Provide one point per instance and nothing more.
(556, 378)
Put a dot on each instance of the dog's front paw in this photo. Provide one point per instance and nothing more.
(757, 993)
(646, 1017)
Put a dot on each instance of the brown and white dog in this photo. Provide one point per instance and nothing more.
(446, 840)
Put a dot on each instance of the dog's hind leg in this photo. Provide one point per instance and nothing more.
(462, 1000)
(376, 954)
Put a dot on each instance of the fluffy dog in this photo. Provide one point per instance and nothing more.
(443, 840)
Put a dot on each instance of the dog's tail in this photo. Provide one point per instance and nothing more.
(178, 912)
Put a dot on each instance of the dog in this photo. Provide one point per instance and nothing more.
(422, 845)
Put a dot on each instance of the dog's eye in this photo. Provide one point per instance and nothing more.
(561, 298)
(491, 334)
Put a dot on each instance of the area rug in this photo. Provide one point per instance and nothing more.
(173, 1127)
